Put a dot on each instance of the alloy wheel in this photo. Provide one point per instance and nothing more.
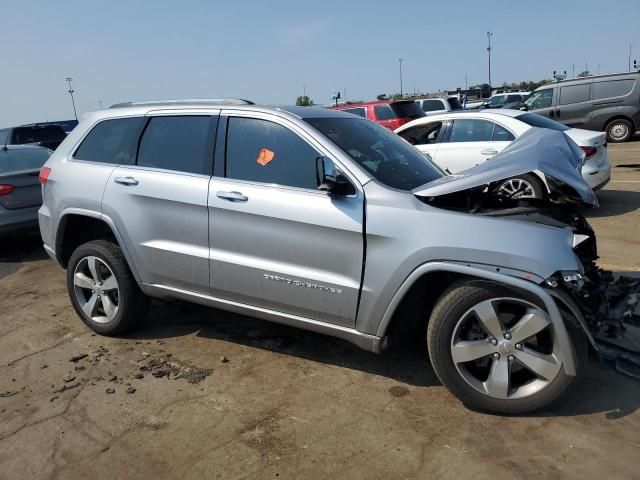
(96, 289)
(516, 188)
(506, 348)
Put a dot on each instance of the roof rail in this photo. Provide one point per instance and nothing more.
(203, 101)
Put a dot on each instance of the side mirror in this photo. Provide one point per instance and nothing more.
(523, 107)
(330, 179)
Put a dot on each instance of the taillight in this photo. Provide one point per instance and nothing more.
(6, 189)
(589, 151)
(44, 175)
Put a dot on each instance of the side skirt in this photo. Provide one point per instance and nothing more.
(371, 343)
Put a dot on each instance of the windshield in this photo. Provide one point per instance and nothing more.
(407, 109)
(37, 134)
(540, 99)
(536, 120)
(383, 154)
(498, 100)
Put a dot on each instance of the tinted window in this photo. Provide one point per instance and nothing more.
(513, 98)
(540, 99)
(384, 112)
(16, 159)
(574, 94)
(110, 141)
(36, 134)
(432, 105)
(407, 110)
(471, 131)
(4, 137)
(422, 134)
(360, 111)
(176, 143)
(455, 104)
(501, 134)
(263, 151)
(536, 120)
(612, 88)
(498, 100)
(380, 152)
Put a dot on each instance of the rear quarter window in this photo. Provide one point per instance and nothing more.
(360, 111)
(383, 112)
(432, 105)
(612, 88)
(110, 141)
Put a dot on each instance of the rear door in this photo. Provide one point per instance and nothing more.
(471, 142)
(574, 105)
(159, 203)
(277, 242)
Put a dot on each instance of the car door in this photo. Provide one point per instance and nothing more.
(426, 137)
(159, 203)
(469, 142)
(277, 242)
(574, 105)
(543, 102)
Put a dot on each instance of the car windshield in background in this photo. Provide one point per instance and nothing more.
(383, 154)
(455, 104)
(407, 109)
(18, 159)
(37, 134)
(497, 101)
(536, 120)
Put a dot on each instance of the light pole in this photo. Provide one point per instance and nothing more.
(400, 60)
(489, 35)
(69, 80)
(630, 47)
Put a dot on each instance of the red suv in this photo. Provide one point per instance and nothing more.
(388, 113)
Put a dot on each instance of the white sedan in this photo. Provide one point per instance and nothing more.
(461, 140)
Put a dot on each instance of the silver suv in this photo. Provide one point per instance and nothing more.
(326, 221)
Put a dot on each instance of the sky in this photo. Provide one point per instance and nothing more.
(272, 51)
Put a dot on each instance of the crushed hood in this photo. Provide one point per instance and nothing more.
(538, 149)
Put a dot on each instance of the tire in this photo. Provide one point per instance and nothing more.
(521, 186)
(94, 268)
(619, 130)
(525, 392)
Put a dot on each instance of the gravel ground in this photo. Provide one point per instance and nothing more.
(200, 393)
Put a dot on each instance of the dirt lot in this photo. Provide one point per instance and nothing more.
(216, 395)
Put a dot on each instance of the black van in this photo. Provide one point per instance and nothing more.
(609, 103)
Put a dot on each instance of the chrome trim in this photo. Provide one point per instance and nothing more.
(371, 343)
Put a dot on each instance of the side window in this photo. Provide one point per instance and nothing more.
(501, 134)
(422, 134)
(612, 88)
(514, 98)
(110, 141)
(432, 105)
(540, 99)
(467, 130)
(4, 137)
(383, 112)
(177, 143)
(360, 111)
(265, 152)
(574, 94)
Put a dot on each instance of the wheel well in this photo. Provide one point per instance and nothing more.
(619, 117)
(74, 230)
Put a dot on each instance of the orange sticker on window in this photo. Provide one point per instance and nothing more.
(265, 156)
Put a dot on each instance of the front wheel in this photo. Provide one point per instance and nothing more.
(522, 186)
(498, 351)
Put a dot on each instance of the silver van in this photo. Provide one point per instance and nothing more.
(606, 103)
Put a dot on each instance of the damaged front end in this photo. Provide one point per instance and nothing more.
(604, 303)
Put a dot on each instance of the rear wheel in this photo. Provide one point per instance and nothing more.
(522, 186)
(497, 350)
(102, 289)
(619, 130)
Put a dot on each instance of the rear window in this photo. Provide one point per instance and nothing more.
(407, 110)
(110, 141)
(360, 111)
(16, 159)
(432, 105)
(612, 88)
(536, 120)
(384, 112)
(50, 133)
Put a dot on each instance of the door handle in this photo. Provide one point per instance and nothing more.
(489, 151)
(232, 196)
(128, 181)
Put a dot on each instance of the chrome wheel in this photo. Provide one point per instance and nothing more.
(517, 188)
(618, 130)
(506, 348)
(96, 289)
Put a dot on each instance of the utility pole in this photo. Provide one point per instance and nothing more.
(573, 70)
(69, 80)
(304, 90)
(400, 60)
(466, 84)
(489, 35)
(100, 104)
(630, 47)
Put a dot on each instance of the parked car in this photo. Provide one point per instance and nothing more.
(322, 220)
(48, 136)
(388, 113)
(457, 141)
(20, 195)
(431, 106)
(499, 100)
(66, 125)
(605, 103)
